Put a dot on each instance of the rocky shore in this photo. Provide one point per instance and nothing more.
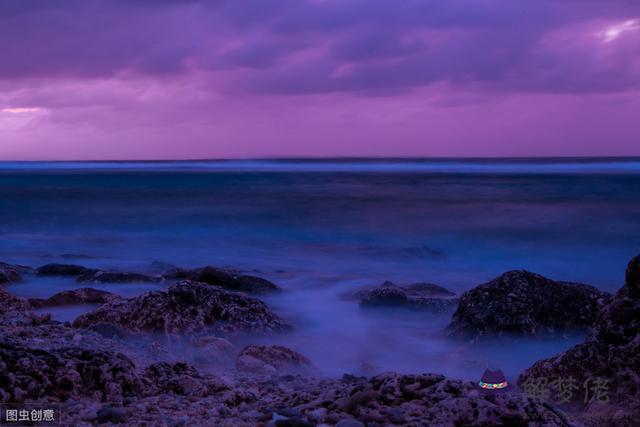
(145, 360)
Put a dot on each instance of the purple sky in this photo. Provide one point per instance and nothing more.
(163, 79)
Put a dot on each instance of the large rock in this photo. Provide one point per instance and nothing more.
(211, 350)
(29, 374)
(424, 297)
(9, 303)
(11, 273)
(271, 359)
(610, 354)
(180, 379)
(61, 270)
(93, 275)
(101, 276)
(226, 279)
(525, 303)
(188, 307)
(75, 296)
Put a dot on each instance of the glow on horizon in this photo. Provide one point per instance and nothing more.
(20, 110)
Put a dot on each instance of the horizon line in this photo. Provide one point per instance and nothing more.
(303, 158)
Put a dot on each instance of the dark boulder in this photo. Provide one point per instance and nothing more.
(30, 374)
(271, 359)
(111, 414)
(424, 297)
(9, 303)
(224, 278)
(108, 330)
(415, 290)
(425, 290)
(178, 378)
(188, 307)
(101, 276)
(61, 270)
(610, 354)
(211, 350)
(11, 273)
(524, 303)
(75, 296)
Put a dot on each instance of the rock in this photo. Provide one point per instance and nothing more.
(31, 374)
(108, 330)
(178, 378)
(76, 296)
(417, 400)
(524, 303)
(214, 350)
(610, 354)
(110, 414)
(61, 270)
(424, 290)
(188, 307)
(632, 278)
(181, 379)
(10, 273)
(292, 422)
(349, 423)
(225, 279)
(420, 297)
(9, 303)
(100, 276)
(271, 359)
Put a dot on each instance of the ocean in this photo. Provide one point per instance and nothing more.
(321, 228)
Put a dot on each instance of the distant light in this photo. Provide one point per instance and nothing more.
(612, 33)
(21, 110)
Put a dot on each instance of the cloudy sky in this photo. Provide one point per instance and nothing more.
(163, 79)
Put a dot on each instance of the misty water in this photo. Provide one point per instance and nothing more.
(321, 229)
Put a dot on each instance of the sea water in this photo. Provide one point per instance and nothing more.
(322, 228)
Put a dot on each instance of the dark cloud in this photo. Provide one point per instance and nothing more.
(296, 47)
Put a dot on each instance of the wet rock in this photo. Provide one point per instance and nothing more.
(225, 279)
(424, 399)
(349, 423)
(61, 270)
(27, 373)
(608, 357)
(181, 379)
(10, 273)
(110, 414)
(214, 350)
(269, 359)
(178, 378)
(188, 307)
(420, 297)
(76, 296)
(292, 422)
(525, 303)
(108, 330)
(423, 289)
(101, 276)
(9, 303)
